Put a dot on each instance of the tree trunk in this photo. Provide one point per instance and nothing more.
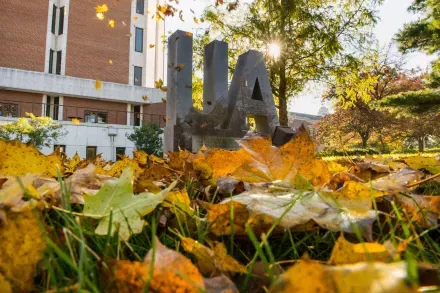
(364, 137)
(284, 119)
(421, 141)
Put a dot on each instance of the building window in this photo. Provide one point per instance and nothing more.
(136, 115)
(91, 153)
(59, 147)
(139, 40)
(138, 75)
(58, 66)
(52, 107)
(61, 22)
(51, 52)
(95, 117)
(140, 6)
(8, 110)
(120, 153)
(54, 18)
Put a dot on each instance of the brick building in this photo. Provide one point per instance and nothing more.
(53, 51)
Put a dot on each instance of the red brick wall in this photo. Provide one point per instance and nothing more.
(23, 26)
(75, 107)
(91, 43)
(155, 113)
(26, 102)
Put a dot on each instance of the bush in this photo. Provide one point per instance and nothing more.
(37, 131)
(350, 152)
(147, 138)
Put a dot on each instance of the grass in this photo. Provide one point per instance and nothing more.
(76, 256)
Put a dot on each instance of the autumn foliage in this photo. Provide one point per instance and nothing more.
(209, 221)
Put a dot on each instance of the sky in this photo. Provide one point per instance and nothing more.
(393, 15)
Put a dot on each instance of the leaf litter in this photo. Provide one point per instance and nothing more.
(217, 203)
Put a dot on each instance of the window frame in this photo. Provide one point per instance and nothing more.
(61, 21)
(134, 76)
(139, 33)
(116, 152)
(51, 56)
(96, 113)
(63, 146)
(140, 6)
(87, 152)
(58, 63)
(54, 18)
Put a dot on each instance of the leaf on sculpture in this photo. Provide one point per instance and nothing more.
(213, 260)
(116, 199)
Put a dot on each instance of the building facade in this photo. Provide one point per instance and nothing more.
(52, 52)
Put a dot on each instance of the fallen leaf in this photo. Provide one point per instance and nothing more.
(145, 98)
(364, 277)
(21, 249)
(101, 8)
(19, 195)
(212, 261)
(151, 46)
(117, 198)
(293, 209)
(220, 284)
(111, 23)
(19, 159)
(420, 162)
(345, 252)
(172, 272)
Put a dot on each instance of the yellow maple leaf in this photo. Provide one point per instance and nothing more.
(19, 159)
(158, 83)
(98, 84)
(111, 23)
(75, 120)
(420, 162)
(101, 8)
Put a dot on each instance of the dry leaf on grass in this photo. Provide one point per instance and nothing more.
(212, 261)
(21, 248)
(345, 252)
(309, 276)
(295, 209)
(432, 164)
(116, 200)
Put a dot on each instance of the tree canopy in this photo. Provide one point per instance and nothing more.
(313, 37)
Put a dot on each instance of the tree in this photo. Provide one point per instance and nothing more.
(415, 102)
(147, 138)
(381, 75)
(37, 131)
(313, 37)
